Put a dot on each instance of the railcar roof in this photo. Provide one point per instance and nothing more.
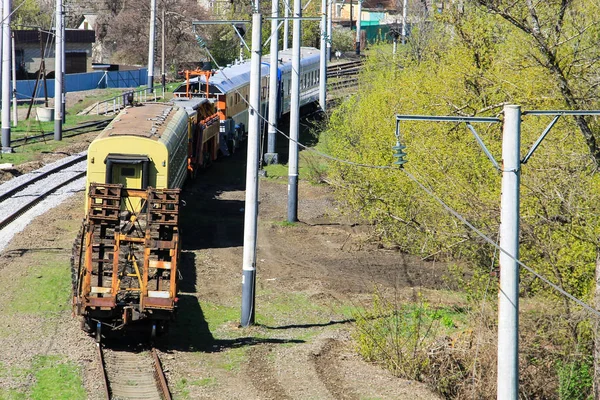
(237, 75)
(147, 120)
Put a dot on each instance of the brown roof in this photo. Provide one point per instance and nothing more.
(381, 4)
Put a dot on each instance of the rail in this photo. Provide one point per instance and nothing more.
(20, 195)
(126, 374)
(95, 125)
(343, 75)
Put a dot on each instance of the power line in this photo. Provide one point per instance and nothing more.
(595, 312)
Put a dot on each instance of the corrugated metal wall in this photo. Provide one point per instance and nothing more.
(87, 81)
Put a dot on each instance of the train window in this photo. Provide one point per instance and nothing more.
(127, 171)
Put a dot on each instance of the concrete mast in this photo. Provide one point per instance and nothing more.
(294, 116)
(15, 116)
(58, 78)
(6, 34)
(358, 21)
(151, 40)
(286, 24)
(251, 204)
(271, 155)
(323, 65)
(508, 296)
(329, 29)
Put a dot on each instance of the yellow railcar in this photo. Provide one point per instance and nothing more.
(126, 258)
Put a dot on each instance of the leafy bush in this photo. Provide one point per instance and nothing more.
(342, 39)
(575, 379)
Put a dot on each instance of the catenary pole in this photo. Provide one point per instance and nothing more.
(251, 205)
(323, 65)
(508, 296)
(163, 79)
(286, 24)
(271, 155)
(1, 29)
(58, 60)
(64, 67)
(15, 116)
(404, 6)
(151, 40)
(358, 21)
(6, 34)
(294, 116)
(329, 29)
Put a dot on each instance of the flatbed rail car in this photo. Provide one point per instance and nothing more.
(125, 259)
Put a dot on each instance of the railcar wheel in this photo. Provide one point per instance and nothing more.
(153, 332)
(98, 332)
(76, 259)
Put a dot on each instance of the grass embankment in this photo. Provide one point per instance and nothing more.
(33, 306)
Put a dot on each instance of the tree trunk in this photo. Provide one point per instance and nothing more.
(597, 330)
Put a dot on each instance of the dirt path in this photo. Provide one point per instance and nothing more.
(312, 278)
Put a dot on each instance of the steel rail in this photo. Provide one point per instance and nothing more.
(42, 175)
(35, 200)
(159, 375)
(24, 140)
(125, 370)
(103, 371)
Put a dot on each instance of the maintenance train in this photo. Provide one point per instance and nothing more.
(126, 257)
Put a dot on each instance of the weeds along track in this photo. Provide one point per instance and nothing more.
(92, 126)
(342, 76)
(22, 193)
(132, 374)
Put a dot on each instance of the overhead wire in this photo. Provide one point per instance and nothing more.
(449, 209)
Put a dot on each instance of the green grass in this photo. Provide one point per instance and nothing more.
(182, 386)
(56, 380)
(217, 315)
(45, 289)
(11, 394)
(285, 224)
(50, 377)
(233, 358)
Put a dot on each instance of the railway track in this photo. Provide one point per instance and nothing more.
(87, 127)
(133, 375)
(343, 75)
(24, 192)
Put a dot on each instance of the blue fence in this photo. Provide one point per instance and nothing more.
(85, 81)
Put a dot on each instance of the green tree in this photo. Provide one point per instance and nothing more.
(473, 64)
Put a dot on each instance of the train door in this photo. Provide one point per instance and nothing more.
(131, 172)
(128, 175)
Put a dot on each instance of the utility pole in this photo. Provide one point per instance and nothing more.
(508, 296)
(329, 28)
(15, 116)
(351, 16)
(323, 60)
(251, 205)
(271, 156)
(151, 40)
(6, 34)
(58, 60)
(404, 6)
(162, 55)
(64, 68)
(294, 116)
(286, 24)
(323, 65)
(358, 21)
